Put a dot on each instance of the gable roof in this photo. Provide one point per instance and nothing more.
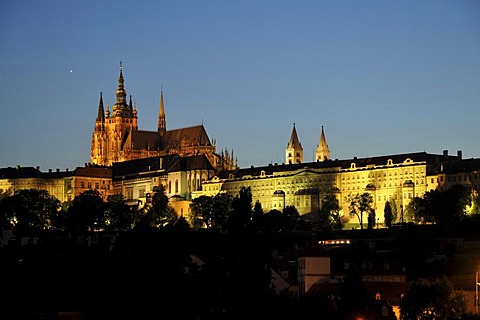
(195, 136)
(198, 162)
(139, 166)
(146, 140)
(172, 139)
(152, 166)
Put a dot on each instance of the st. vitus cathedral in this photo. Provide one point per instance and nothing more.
(116, 136)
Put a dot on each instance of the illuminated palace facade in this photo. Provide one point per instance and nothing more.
(116, 136)
(63, 185)
(397, 178)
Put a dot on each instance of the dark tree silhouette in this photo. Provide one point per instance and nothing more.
(433, 300)
(86, 213)
(388, 214)
(441, 207)
(248, 259)
(258, 217)
(118, 215)
(201, 212)
(416, 211)
(450, 205)
(273, 221)
(29, 209)
(159, 213)
(290, 218)
(371, 219)
(330, 211)
(241, 215)
(210, 212)
(360, 204)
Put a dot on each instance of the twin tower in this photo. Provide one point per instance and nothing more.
(294, 151)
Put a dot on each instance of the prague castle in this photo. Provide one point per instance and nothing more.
(132, 162)
(116, 136)
(395, 178)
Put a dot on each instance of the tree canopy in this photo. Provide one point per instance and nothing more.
(441, 207)
(360, 204)
(432, 300)
(29, 209)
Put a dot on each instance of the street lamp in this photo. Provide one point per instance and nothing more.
(477, 284)
(476, 292)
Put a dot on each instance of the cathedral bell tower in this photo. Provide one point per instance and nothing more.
(111, 129)
(97, 152)
(294, 151)
(322, 152)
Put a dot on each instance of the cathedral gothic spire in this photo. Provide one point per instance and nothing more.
(120, 108)
(130, 104)
(101, 112)
(162, 125)
(294, 151)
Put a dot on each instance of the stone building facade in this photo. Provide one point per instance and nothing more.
(63, 185)
(395, 178)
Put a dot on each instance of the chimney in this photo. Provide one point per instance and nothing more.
(38, 168)
(66, 170)
(459, 154)
(445, 153)
(58, 170)
(50, 170)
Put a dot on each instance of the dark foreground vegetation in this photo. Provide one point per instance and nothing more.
(96, 260)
